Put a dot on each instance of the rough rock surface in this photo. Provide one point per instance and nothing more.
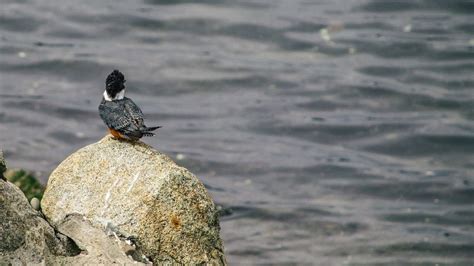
(3, 166)
(99, 248)
(143, 195)
(25, 237)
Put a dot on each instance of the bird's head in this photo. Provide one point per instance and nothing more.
(115, 84)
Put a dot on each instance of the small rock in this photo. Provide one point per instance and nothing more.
(35, 203)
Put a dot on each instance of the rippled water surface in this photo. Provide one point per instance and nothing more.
(332, 132)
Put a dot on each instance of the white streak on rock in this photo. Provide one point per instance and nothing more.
(107, 196)
(135, 178)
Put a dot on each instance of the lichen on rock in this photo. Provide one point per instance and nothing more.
(143, 195)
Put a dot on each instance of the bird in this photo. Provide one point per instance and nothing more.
(120, 114)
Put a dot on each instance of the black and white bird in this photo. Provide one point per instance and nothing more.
(121, 115)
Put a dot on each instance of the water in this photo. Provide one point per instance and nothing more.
(332, 132)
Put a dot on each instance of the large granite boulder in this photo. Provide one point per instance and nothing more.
(140, 194)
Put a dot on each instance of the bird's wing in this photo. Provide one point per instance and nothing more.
(115, 116)
(134, 112)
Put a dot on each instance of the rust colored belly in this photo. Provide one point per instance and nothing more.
(116, 134)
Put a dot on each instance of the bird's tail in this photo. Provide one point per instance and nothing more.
(148, 129)
(148, 134)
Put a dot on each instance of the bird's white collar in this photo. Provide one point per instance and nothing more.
(119, 96)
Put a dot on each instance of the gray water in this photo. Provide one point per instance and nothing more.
(332, 132)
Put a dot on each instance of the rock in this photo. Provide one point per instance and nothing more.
(3, 166)
(101, 249)
(35, 203)
(142, 195)
(25, 237)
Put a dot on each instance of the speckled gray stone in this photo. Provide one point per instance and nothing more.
(99, 248)
(3, 166)
(25, 237)
(141, 193)
(35, 203)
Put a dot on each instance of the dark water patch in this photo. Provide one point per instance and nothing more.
(424, 145)
(389, 6)
(250, 82)
(452, 69)
(147, 23)
(10, 50)
(414, 262)
(99, 19)
(306, 220)
(458, 54)
(407, 100)
(219, 189)
(384, 71)
(372, 25)
(66, 136)
(18, 119)
(463, 250)
(305, 26)
(466, 28)
(321, 105)
(50, 44)
(195, 26)
(452, 6)
(177, 2)
(249, 252)
(226, 3)
(19, 24)
(70, 34)
(75, 70)
(67, 113)
(434, 191)
(265, 34)
(440, 82)
(171, 116)
(330, 133)
(446, 219)
(224, 169)
(252, 212)
(315, 174)
(331, 49)
(393, 49)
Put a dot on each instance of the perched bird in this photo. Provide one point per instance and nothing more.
(121, 115)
